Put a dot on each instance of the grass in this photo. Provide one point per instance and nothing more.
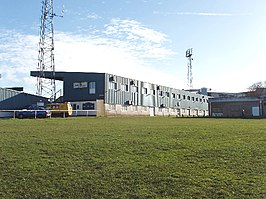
(139, 157)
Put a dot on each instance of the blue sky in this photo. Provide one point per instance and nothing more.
(141, 39)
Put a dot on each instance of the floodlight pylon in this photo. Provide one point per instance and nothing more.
(189, 68)
(46, 85)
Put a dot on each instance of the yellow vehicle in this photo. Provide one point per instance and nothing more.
(60, 109)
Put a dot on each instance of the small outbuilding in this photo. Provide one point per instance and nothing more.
(15, 99)
(241, 105)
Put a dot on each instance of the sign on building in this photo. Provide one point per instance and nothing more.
(80, 84)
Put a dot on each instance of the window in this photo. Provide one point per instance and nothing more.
(74, 107)
(167, 94)
(173, 95)
(88, 106)
(188, 97)
(92, 87)
(184, 97)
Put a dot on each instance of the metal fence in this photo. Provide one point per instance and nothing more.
(40, 113)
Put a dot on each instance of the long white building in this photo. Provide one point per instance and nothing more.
(103, 94)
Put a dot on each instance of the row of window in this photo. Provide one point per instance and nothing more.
(165, 110)
(125, 87)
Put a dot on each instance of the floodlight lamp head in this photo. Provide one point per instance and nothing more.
(189, 52)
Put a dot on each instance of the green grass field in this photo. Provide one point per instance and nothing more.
(139, 157)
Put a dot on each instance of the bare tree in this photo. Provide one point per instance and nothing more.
(255, 86)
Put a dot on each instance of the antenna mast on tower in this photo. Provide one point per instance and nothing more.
(46, 85)
(189, 67)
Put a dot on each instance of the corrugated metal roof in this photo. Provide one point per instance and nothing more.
(235, 99)
(7, 93)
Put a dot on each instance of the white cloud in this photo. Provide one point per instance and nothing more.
(125, 27)
(18, 55)
(93, 16)
(98, 54)
(122, 49)
(145, 42)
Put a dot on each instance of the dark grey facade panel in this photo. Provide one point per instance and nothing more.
(73, 92)
(49, 75)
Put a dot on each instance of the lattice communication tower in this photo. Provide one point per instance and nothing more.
(46, 85)
(189, 67)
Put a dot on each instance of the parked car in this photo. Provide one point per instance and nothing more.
(33, 113)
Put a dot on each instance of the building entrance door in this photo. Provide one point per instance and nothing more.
(256, 111)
